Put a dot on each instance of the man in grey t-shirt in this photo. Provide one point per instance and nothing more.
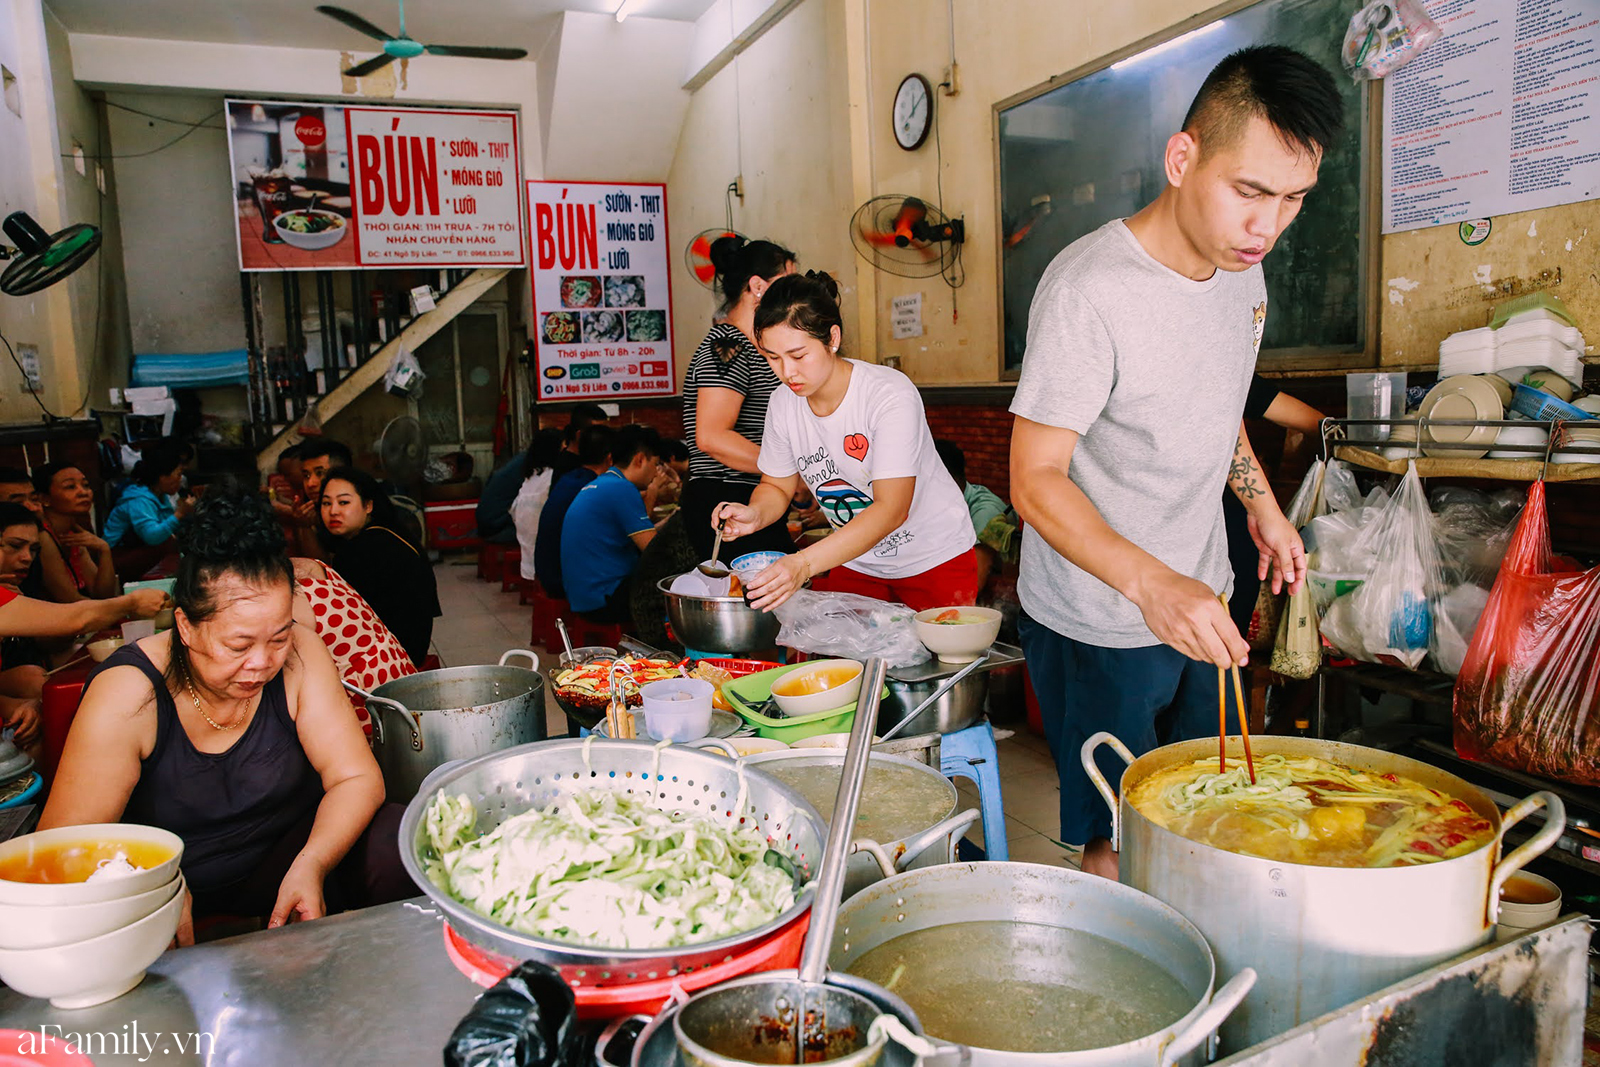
(1141, 341)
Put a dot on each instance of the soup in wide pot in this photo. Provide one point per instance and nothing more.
(1305, 809)
(896, 801)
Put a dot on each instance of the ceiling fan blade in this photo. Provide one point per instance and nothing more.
(377, 62)
(354, 21)
(469, 51)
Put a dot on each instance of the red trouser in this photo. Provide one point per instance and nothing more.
(951, 584)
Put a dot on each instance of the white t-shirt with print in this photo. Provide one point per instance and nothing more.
(879, 431)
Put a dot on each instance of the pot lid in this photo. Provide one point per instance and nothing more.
(933, 669)
(14, 762)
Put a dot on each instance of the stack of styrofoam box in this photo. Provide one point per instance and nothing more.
(1537, 338)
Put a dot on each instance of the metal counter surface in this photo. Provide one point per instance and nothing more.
(366, 987)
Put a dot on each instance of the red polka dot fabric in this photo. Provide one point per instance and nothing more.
(366, 653)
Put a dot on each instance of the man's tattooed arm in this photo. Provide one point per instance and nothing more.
(1245, 477)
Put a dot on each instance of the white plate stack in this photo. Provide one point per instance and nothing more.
(1536, 338)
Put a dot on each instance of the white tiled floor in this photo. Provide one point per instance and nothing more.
(480, 622)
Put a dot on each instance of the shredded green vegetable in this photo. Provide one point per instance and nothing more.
(601, 868)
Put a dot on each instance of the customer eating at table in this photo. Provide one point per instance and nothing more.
(318, 456)
(609, 524)
(855, 433)
(726, 393)
(594, 455)
(141, 525)
(579, 418)
(538, 476)
(387, 570)
(365, 651)
(232, 731)
(16, 487)
(76, 562)
(1141, 342)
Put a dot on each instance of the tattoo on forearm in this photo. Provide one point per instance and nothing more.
(1244, 477)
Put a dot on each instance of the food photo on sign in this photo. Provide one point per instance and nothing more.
(291, 171)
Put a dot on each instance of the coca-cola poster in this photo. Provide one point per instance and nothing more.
(322, 187)
(602, 293)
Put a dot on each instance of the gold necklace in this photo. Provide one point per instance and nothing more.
(214, 724)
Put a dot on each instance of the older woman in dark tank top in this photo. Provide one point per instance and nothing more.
(232, 730)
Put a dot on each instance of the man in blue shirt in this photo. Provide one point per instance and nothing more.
(609, 524)
(493, 513)
(594, 456)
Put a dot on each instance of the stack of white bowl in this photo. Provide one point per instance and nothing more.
(82, 943)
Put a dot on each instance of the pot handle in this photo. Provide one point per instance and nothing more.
(1555, 821)
(613, 1028)
(955, 826)
(533, 657)
(876, 851)
(1223, 1002)
(1086, 754)
(377, 722)
(720, 744)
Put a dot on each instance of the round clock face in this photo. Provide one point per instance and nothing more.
(913, 112)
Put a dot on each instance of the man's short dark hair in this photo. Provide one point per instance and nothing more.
(1293, 92)
(954, 460)
(337, 452)
(674, 450)
(15, 514)
(14, 476)
(594, 444)
(633, 439)
(586, 415)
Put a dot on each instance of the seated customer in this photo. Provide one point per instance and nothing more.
(141, 526)
(16, 487)
(76, 563)
(365, 651)
(318, 456)
(580, 418)
(538, 474)
(984, 507)
(231, 730)
(608, 526)
(594, 455)
(386, 569)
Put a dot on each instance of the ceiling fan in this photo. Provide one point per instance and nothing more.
(403, 47)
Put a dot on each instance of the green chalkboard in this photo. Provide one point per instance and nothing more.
(1076, 155)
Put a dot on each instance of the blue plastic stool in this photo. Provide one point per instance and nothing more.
(971, 753)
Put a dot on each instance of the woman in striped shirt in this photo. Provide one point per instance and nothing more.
(725, 397)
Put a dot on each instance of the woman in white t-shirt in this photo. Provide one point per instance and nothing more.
(856, 435)
(538, 467)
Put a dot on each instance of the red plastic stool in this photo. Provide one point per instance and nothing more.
(491, 560)
(584, 632)
(511, 570)
(546, 609)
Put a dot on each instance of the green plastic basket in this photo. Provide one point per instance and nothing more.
(747, 693)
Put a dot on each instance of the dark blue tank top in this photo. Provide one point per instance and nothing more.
(229, 807)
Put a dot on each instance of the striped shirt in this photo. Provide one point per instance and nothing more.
(727, 360)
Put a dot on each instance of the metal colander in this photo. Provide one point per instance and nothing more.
(687, 780)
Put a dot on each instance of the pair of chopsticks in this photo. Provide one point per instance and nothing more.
(1222, 716)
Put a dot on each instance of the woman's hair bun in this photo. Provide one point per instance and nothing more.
(229, 524)
(725, 251)
(826, 280)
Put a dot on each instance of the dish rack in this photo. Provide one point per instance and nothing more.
(1358, 441)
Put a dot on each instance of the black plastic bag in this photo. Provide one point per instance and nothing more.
(527, 1019)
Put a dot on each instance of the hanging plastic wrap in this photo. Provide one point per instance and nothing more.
(1528, 695)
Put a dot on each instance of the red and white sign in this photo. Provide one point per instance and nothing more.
(602, 291)
(319, 187)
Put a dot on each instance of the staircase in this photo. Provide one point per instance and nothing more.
(282, 390)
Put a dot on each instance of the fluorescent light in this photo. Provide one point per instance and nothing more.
(1148, 52)
(625, 9)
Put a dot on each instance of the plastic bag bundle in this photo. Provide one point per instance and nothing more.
(1390, 616)
(1296, 651)
(1528, 695)
(855, 627)
(528, 1019)
(1384, 36)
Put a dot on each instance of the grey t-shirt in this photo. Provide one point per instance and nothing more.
(1151, 370)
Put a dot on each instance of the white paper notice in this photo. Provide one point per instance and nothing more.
(1500, 115)
(905, 315)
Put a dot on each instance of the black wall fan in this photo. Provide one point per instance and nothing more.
(40, 259)
(907, 236)
(401, 46)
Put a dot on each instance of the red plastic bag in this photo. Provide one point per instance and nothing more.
(1528, 695)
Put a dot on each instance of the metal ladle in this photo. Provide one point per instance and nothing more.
(711, 568)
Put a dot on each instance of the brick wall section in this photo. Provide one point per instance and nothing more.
(983, 431)
(666, 415)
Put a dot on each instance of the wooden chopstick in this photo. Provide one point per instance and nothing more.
(1222, 722)
(1244, 714)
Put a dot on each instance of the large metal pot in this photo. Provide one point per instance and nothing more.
(718, 623)
(870, 861)
(1319, 937)
(425, 720)
(1050, 896)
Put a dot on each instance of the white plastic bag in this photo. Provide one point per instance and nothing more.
(856, 627)
(1384, 36)
(1393, 609)
(404, 376)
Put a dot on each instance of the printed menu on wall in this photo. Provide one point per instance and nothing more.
(320, 187)
(602, 295)
(1499, 115)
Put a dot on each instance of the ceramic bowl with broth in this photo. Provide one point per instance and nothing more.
(52, 867)
(817, 687)
(957, 634)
